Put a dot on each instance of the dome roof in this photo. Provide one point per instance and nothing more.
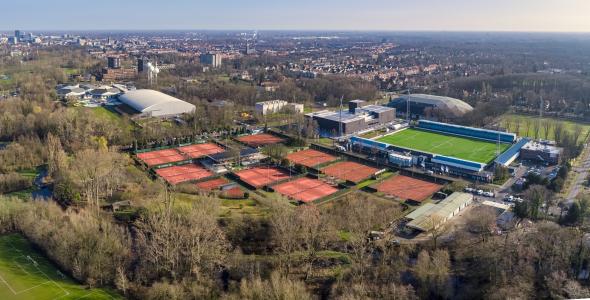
(155, 103)
(455, 106)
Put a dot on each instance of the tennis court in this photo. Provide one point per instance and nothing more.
(188, 172)
(262, 176)
(310, 158)
(305, 189)
(350, 171)
(213, 184)
(261, 139)
(200, 150)
(405, 188)
(160, 157)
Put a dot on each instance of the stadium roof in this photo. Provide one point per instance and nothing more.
(455, 106)
(155, 103)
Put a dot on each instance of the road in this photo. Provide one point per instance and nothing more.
(581, 172)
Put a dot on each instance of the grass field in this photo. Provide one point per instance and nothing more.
(510, 121)
(454, 146)
(27, 274)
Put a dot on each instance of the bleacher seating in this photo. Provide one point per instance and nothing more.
(477, 133)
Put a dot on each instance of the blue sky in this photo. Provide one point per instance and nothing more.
(451, 15)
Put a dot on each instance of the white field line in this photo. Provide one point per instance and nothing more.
(41, 271)
(8, 285)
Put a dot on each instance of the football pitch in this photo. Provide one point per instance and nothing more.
(448, 145)
(27, 274)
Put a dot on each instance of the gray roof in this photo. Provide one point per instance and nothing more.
(346, 116)
(453, 105)
(427, 218)
(155, 103)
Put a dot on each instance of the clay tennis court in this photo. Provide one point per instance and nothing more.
(261, 139)
(350, 171)
(305, 189)
(200, 150)
(310, 158)
(160, 157)
(262, 176)
(213, 184)
(188, 172)
(404, 187)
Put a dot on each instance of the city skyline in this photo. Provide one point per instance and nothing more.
(377, 15)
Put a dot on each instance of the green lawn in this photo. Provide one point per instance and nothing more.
(104, 113)
(512, 121)
(454, 146)
(27, 274)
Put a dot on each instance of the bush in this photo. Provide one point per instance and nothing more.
(13, 182)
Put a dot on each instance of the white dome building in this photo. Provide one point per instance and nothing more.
(152, 103)
(421, 103)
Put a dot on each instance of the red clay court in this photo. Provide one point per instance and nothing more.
(404, 187)
(350, 171)
(160, 157)
(305, 189)
(261, 139)
(310, 158)
(200, 150)
(262, 176)
(212, 184)
(178, 174)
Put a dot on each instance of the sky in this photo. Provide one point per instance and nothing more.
(388, 15)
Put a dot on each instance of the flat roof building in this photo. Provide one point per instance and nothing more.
(150, 103)
(541, 152)
(358, 117)
(275, 106)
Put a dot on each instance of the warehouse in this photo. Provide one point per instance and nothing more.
(150, 103)
(431, 216)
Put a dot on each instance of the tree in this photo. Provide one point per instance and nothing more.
(432, 271)
(285, 232)
(179, 242)
(538, 196)
(482, 221)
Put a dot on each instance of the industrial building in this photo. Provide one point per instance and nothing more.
(430, 106)
(150, 103)
(541, 152)
(275, 106)
(358, 117)
(431, 216)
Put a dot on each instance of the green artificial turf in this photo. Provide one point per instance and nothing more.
(27, 274)
(448, 145)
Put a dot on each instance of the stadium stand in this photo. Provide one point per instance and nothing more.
(477, 133)
(368, 143)
(458, 163)
(512, 153)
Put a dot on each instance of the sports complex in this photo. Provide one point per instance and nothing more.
(447, 148)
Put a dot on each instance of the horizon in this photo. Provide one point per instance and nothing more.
(568, 16)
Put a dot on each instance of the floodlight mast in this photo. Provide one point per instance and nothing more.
(408, 105)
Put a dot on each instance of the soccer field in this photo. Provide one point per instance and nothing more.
(27, 274)
(448, 145)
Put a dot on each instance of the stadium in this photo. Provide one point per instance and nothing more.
(448, 148)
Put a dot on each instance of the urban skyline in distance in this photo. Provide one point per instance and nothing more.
(346, 15)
